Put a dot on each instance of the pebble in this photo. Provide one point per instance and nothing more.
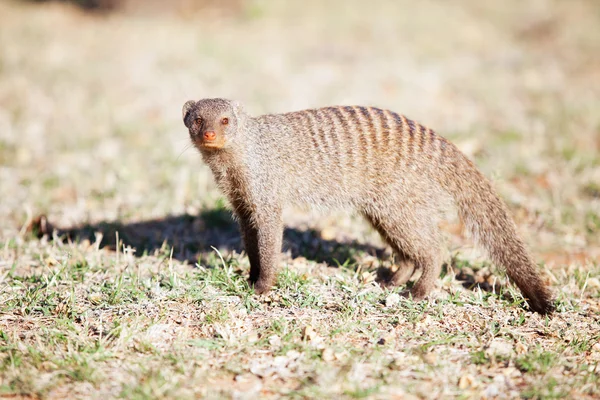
(392, 300)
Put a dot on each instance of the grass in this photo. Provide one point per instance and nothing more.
(121, 270)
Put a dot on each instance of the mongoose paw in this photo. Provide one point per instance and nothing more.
(261, 287)
(406, 294)
(411, 294)
(389, 279)
(384, 278)
(386, 284)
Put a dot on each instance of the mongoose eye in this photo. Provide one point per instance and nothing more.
(225, 121)
(198, 121)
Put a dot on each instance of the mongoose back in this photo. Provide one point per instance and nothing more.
(378, 163)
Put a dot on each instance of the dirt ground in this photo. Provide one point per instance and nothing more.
(121, 270)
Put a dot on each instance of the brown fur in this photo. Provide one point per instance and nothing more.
(390, 169)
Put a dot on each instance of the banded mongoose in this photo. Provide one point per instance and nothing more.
(384, 166)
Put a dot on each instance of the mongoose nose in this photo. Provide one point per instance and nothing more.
(210, 135)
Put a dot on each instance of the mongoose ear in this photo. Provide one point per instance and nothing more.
(237, 108)
(236, 105)
(186, 110)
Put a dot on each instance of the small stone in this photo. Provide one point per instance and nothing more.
(51, 261)
(300, 261)
(465, 381)
(327, 354)
(398, 363)
(520, 348)
(491, 391)
(367, 277)
(430, 358)
(309, 333)
(511, 371)
(328, 234)
(593, 283)
(252, 337)
(392, 300)
(95, 298)
(280, 361)
(293, 354)
(500, 347)
(61, 308)
(274, 340)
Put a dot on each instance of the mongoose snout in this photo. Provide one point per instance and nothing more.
(210, 136)
(393, 171)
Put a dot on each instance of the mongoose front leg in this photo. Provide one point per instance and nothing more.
(263, 233)
(250, 239)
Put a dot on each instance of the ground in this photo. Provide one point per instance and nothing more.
(121, 270)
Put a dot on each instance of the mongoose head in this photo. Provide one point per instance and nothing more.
(213, 123)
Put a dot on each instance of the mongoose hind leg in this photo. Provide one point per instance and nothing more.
(416, 241)
(431, 266)
(263, 235)
(406, 267)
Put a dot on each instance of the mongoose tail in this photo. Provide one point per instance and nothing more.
(487, 219)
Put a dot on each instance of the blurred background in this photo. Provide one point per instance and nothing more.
(91, 95)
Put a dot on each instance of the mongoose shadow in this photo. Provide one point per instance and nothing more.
(193, 236)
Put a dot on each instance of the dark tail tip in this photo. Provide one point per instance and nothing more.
(542, 303)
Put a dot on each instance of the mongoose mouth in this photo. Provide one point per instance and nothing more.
(211, 144)
(209, 140)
